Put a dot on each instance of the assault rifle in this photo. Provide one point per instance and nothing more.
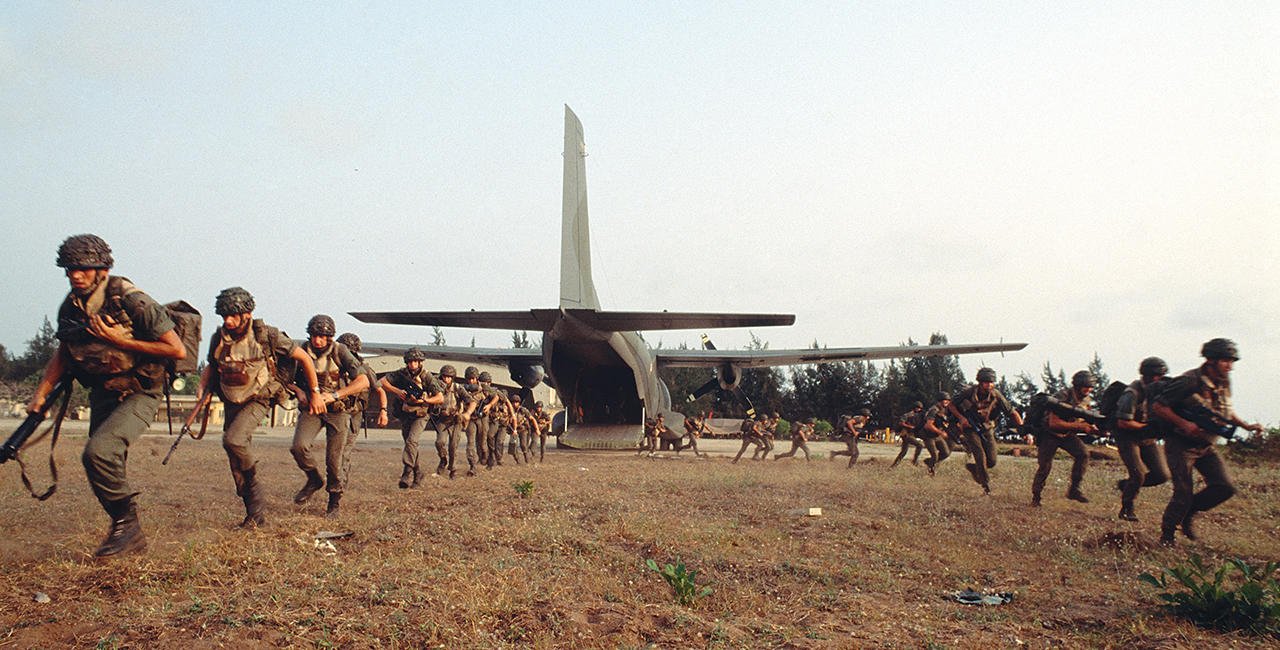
(20, 435)
(203, 404)
(1209, 422)
(1067, 411)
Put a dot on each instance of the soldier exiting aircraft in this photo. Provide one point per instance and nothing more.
(1063, 432)
(417, 392)
(976, 409)
(115, 340)
(1136, 438)
(251, 361)
(850, 429)
(800, 434)
(360, 403)
(909, 426)
(933, 431)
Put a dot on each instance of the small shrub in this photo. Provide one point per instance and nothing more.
(681, 581)
(1253, 606)
(524, 488)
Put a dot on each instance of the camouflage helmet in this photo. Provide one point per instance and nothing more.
(351, 341)
(448, 371)
(471, 372)
(809, 421)
(414, 354)
(917, 404)
(1083, 379)
(321, 325)
(986, 374)
(943, 396)
(775, 415)
(866, 412)
(232, 301)
(515, 397)
(486, 377)
(1153, 367)
(1220, 349)
(760, 417)
(538, 405)
(85, 252)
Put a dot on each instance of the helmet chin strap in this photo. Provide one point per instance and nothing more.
(88, 291)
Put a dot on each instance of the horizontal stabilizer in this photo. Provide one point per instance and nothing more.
(765, 358)
(645, 321)
(537, 320)
(490, 356)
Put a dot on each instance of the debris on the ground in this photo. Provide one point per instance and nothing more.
(971, 597)
(325, 547)
(805, 512)
(42, 597)
(331, 534)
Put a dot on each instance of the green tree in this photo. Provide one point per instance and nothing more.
(1095, 367)
(40, 350)
(437, 336)
(520, 340)
(1053, 383)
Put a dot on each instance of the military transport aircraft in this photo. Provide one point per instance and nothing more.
(604, 372)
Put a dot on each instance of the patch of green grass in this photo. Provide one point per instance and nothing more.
(1253, 605)
(681, 581)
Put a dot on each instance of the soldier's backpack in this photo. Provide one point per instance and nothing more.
(186, 324)
(1036, 411)
(1110, 397)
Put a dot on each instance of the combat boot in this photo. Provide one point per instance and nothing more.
(125, 535)
(418, 475)
(1035, 500)
(1187, 527)
(254, 504)
(1126, 512)
(314, 482)
(332, 510)
(406, 477)
(1076, 495)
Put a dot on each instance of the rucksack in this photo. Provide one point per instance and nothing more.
(1110, 397)
(186, 324)
(1036, 410)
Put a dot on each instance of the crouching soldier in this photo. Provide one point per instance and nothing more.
(115, 340)
(1063, 433)
(417, 391)
(933, 431)
(339, 378)
(246, 358)
(976, 409)
(1136, 440)
(909, 427)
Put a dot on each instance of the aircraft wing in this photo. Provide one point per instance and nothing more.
(490, 356)
(539, 320)
(766, 358)
(543, 320)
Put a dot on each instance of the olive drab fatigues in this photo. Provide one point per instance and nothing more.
(124, 386)
(414, 419)
(1144, 459)
(935, 444)
(692, 430)
(247, 384)
(849, 431)
(520, 434)
(335, 368)
(450, 423)
(913, 423)
(359, 402)
(543, 420)
(767, 431)
(477, 428)
(494, 411)
(980, 442)
(1048, 442)
(799, 437)
(1194, 388)
(750, 436)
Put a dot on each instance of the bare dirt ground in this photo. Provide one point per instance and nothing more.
(468, 563)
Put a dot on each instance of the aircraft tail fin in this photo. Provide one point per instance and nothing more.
(577, 290)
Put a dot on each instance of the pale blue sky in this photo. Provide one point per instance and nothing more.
(1086, 177)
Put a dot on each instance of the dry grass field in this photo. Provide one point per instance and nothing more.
(470, 564)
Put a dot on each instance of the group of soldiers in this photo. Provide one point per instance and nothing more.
(117, 341)
(1189, 413)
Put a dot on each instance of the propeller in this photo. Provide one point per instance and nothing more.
(718, 381)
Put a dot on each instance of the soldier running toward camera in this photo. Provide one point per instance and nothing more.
(910, 423)
(543, 421)
(115, 340)
(1136, 438)
(360, 403)
(1185, 406)
(976, 409)
(451, 420)
(933, 431)
(521, 424)
(248, 365)
(491, 410)
(1063, 432)
(417, 392)
(339, 379)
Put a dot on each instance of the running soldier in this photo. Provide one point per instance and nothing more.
(543, 421)
(849, 432)
(478, 425)
(1186, 404)
(417, 392)
(247, 357)
(649, 444)
(451, 421)
(800, 434)
(693, 428)
(910, 424)
(1061, 432)
(339, 379)
(933, 432)
(1136, 439)
(492, 410)
(752, 434)
(115, 340)
(360, 403)
(975, 410)
(768, 433)
(521, 423)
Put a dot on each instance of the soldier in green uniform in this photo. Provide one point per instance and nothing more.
(975, 410)
(767, 435)
(543, 421)
(1136, 440)
(910, 423)
(417, 392)
(1187, 445)
(933, 431)
(850, 430)
(493, 409)
(693, 428)
(752, 434)
(360, 403)
(521, 424)
(800, 434)
(450, 420)
(478, 426)
(1061, 432)
(339, 379)
(115, 340)
(248, 365)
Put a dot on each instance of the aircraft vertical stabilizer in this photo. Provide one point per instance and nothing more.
(577, 291)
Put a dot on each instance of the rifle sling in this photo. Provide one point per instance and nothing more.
(56, 428)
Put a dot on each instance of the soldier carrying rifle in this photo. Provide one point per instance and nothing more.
(115, 340)
(1063, 432)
